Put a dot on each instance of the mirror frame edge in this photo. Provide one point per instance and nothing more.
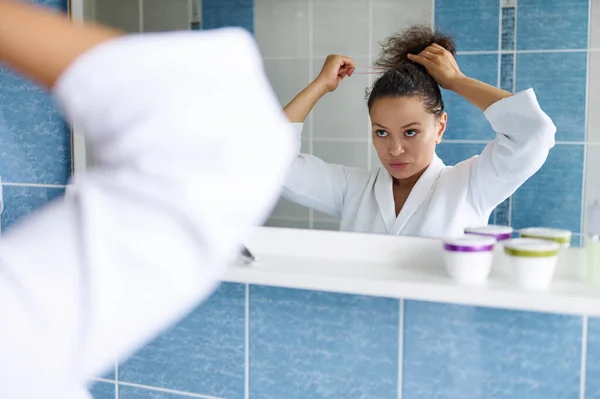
(75, 11)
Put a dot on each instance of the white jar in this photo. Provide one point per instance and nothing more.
(501, 234)
(532, 261)
(561, 237)
(468, 258)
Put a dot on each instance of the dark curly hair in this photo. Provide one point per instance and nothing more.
(404, 78)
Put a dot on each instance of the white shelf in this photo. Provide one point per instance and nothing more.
(397, 267)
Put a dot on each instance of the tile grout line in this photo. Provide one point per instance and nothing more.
(370, 77)
(246, 344)
(311, 72)
(500, 19)
(514, 89)
(117, 379)
(475, 52)
(14, 184)
(165, 390)
(141, 15)
(586, 120)
(400, 348)
(500, 71)
(583, 370)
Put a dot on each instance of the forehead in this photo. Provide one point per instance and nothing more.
(398, 111)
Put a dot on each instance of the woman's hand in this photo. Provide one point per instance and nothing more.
(440, 64)
(335, 69)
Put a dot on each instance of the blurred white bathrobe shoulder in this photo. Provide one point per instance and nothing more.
(446, 199)
(192, 148)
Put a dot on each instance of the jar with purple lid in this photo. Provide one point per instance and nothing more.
(501, 234)
(468, 259)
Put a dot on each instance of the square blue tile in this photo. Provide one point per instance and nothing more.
(552, 197)
(127, 392)
(103, 390)
(552, 24)
(592, 378)
(502, 213)
(203, 354)
(508, 28)
(21, 201)
(307, 344)
(61, 5)
(507, 72)
(452, 153)
(223, 13)
(473, 23)
(464, 352)
(35, 141)
(466, 121)
(559, 82)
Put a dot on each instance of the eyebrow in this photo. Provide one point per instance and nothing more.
(403, 127)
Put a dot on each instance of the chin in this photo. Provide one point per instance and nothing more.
(401, 174)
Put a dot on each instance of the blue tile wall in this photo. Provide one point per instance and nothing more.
(453, 153)
(464, 352)
(209, 343)
(552, 197)
(471, 34)
(222, 13)
(502, 213)
(465, 121)
(307, 344)
(560, 85)
(552, 24)
(35, 142)
(126, 392)
(592, 379)
(19, 201)
(103, 390)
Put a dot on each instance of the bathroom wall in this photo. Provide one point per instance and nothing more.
(260, 342)
(35, 143)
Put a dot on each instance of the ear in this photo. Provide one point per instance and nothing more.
(441, 127)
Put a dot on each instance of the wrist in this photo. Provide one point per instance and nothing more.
(319, 87)
(457, 82)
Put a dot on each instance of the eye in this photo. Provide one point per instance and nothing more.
(381, 133)
(410, 133)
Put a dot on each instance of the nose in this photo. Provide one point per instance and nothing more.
(396, 148)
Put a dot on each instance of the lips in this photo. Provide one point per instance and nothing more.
(398, 165)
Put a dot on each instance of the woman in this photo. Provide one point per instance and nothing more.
(415, 193)
(149, 229)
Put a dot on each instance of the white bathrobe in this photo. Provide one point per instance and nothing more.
(191, 149)
(446, 199)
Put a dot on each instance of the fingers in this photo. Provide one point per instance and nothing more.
(419, 59)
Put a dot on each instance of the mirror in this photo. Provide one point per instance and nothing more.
(510, 47)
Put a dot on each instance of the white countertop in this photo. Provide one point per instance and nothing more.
(397, 267)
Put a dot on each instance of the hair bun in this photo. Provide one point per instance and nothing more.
(395, 49)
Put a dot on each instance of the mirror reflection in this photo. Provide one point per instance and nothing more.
(388, 142)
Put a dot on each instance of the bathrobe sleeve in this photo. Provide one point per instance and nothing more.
(315, 183)
(525, 135)
(144, 236)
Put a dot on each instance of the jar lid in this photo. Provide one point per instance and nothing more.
(500, 233)
(469, 243)
(531, 248)
(557, 235)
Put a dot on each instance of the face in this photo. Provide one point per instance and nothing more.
(405, 135)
